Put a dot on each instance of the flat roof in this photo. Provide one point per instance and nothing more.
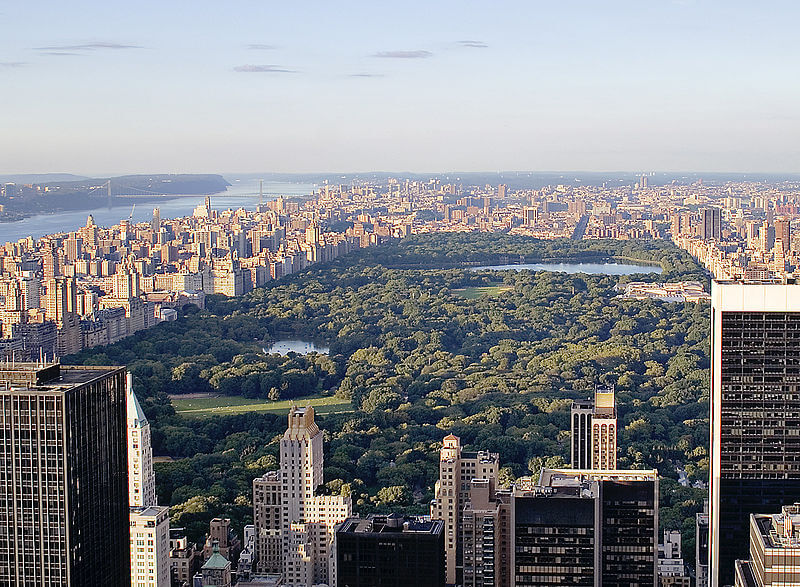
(382, 525)
(16, 378)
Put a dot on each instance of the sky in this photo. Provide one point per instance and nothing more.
(94, 88)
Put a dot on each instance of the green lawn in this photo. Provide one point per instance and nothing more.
(227, 405)
(473, 293)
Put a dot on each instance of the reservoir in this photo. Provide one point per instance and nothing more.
(301, 347)
(610, 268)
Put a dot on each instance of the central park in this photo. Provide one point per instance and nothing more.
(421, 344)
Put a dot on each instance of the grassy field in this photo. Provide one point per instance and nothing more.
(473, 293)
(205, 407)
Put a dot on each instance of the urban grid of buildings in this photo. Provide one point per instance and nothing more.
(95, 285)
(78, 502)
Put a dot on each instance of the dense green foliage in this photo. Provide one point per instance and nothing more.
(418, 361)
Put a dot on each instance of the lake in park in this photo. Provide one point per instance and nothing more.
(591, 268)
(301, 347)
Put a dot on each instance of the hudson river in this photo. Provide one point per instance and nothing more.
(243, 193)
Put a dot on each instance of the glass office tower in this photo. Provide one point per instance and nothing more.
(755, 413)
(63, 476)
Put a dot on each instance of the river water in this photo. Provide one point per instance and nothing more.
(243, 193)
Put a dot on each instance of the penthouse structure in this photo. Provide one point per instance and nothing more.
(774, 550)
(64, 515)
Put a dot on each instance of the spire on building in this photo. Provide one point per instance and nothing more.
(141, 478)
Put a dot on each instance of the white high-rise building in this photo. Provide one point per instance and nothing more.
(149, 523)
(286, 509)
(141, 479)
(150, 564)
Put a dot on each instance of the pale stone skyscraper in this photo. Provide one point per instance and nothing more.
(457, 470)
(308, 521)
(150, 564)
(149, 523)
(141, 479)
(289, 516)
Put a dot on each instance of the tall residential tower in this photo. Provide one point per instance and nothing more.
(593, 430)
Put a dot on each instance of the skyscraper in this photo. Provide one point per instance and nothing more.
(389, 551)
(141, 479)
(711, 224)
(155, 223)
(485, 536)
(581, 434)
(64, 492)
(60, 303)
(288, 514)
(578, 527)
(593, 428)
(755, 413)
(149, 523)
(783, 232)
(456, 470)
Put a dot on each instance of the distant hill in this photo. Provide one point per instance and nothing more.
(178, 183)
(29, 197)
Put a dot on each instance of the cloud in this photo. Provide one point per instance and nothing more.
(88, 47)
(366, 75)
(262, 69)
(260, 47)
(61, 53)
(11, 64)
(418, 54)
(473, 44)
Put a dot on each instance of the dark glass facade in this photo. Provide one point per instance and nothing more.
(581, 434)
(554, 541)
(759, 424)
(63, 477)
(587, 528)
(386, 551)
(629, 524)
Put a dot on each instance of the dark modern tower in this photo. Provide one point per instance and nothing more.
(711, 223)
(63, 476)
(755, 413)
(390, 551)
(586, 528)
(581, 434)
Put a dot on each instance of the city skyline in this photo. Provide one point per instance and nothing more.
(669, 85)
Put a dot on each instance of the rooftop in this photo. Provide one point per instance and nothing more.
(39, 376)
(565, 477)
(391, 524)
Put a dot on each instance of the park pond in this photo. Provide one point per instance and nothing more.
(301, 347)
(605, 268)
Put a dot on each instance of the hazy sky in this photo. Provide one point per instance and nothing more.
(178, 86)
